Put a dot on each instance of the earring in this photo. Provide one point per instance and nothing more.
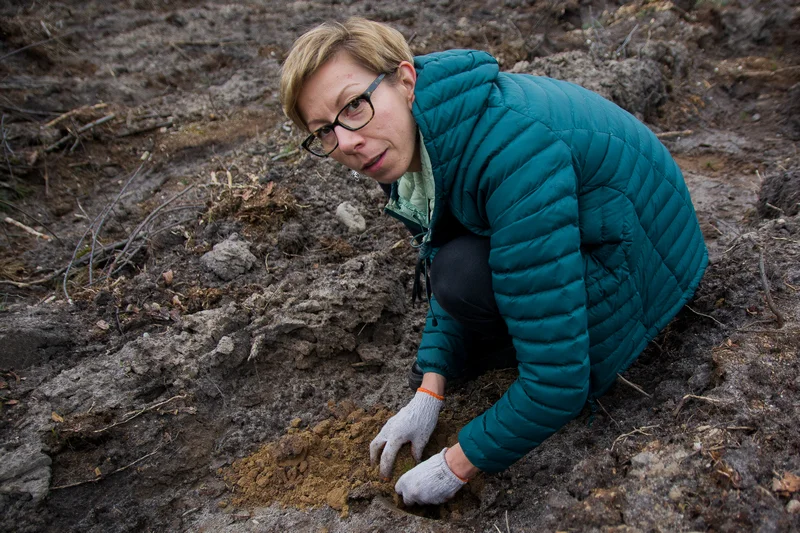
(356, 176)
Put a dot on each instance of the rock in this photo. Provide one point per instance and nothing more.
(642, 459)
(226, 345)
(25, 470)
(258, 348)
(793, 507)
(560, 499)
(230, 258)
(743, 28)
(348, 215)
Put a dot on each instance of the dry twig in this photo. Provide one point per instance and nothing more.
(285, 155)
(12, 206)
(634, 385)
(778, 315)
(143, 237)
(74, 112)
(607, 413)
(54, 275)
(626, 41)
(77, 135)
(26, 111)
(141, 226)
(102, 215)
(145, 129)
(180, 51)
(27, 229)
(32, 45)
(105, 213)
(671, 134)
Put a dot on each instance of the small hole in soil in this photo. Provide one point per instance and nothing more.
(148, 395)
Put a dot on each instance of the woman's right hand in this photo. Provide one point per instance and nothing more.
(414, 423)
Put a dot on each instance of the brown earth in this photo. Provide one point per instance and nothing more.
(217, 323)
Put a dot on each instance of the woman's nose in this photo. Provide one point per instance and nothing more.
(349, 141)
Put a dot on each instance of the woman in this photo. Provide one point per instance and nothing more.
(556, 223)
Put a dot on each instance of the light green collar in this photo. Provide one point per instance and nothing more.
(417, 188)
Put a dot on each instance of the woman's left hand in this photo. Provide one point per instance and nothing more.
(429, 483)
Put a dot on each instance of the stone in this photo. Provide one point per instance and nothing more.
(230, 258)
(348, 215)
(25, 470)
(642, 459)
(560, 499)
(226, 345)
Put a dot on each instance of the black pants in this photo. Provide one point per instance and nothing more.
(462, 283)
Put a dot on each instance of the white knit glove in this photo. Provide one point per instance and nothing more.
(414, 423)
(429, 483)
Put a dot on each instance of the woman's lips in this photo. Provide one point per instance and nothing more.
(375, 164)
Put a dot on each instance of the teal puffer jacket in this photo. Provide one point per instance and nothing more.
(595, 245)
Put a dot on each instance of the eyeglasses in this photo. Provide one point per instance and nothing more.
(353, 116)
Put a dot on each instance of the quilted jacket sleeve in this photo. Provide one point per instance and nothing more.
(442, 347)
(537, 274)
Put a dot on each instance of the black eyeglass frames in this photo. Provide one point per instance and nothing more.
(353, 116)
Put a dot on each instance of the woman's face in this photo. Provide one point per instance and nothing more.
(386, 147)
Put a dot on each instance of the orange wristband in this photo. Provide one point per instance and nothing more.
(461, 479)
(426, 391)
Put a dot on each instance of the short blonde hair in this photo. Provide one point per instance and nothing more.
(373, 45)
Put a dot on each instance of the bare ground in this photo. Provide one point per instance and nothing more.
(198, 343)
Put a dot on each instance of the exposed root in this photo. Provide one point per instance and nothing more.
(706, 316)
(638, 431)
(139, 412)
(103, 476)
(695, 397)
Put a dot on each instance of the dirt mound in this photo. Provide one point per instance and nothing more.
(329, 463)
(780, 194)
(316, 466)
(636, 85)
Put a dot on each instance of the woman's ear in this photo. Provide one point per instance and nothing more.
(407, 80)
